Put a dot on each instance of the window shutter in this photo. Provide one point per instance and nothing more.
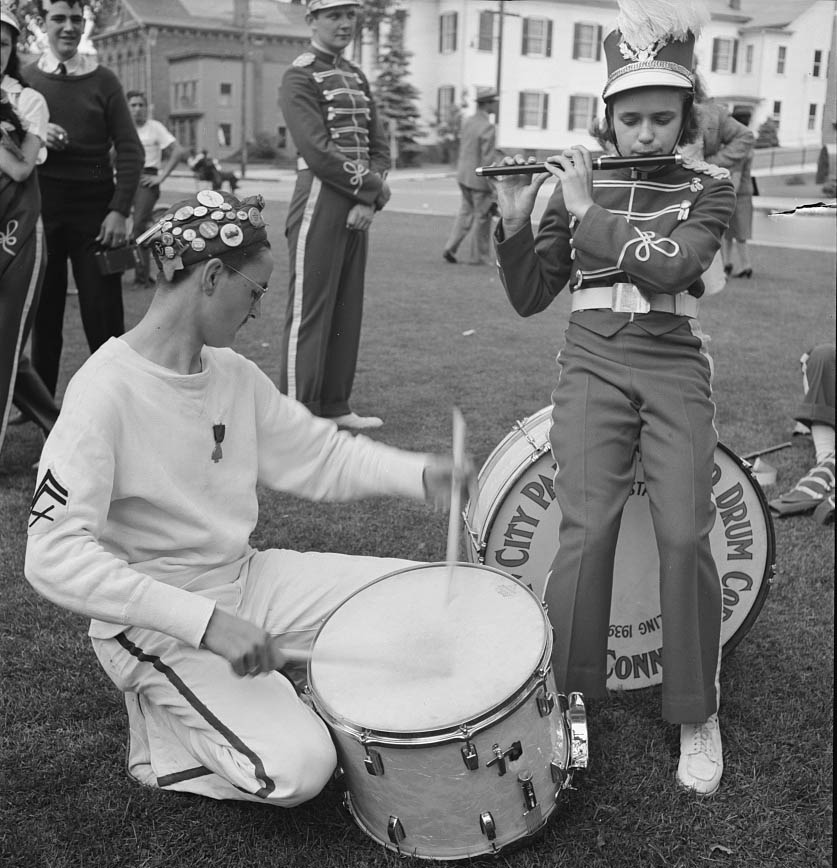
(598, 42)
(734, 55)
(521, 104)
(525, 45)
(545, 111)
(549, 38)
(455, 30)
(441, 33)
(572, 111)
(576, 37)
(715, 51)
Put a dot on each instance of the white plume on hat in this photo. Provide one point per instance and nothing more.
(645, 22)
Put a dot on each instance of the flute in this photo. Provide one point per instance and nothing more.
(598, 163)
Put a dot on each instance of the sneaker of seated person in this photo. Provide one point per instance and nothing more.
(701, 756)
(815, 487)
(353, 422)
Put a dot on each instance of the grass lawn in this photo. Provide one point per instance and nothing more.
(66, 800)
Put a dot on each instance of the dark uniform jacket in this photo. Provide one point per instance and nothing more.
(659, 231)
(332, 119)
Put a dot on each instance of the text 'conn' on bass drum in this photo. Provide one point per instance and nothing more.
(513, 525)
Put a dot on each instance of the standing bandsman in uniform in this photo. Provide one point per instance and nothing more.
(634, 375)
(341, 184)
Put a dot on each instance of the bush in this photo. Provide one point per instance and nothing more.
(822, 166)
(768, 135)
(795, 181)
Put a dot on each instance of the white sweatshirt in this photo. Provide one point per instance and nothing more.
(131, 511)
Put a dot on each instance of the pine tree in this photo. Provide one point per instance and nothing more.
(396, 96)
(768, 135)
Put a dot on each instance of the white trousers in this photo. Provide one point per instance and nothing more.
(195, 726)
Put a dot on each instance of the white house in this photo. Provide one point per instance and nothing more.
(762, 58)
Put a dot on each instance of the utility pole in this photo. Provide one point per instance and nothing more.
(244, 11)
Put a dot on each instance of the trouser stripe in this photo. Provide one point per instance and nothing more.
(299, 282)
(203, 711)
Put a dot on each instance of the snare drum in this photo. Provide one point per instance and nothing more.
(513, 525)
(452, 741)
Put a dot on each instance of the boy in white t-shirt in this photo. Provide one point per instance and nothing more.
(160, 145)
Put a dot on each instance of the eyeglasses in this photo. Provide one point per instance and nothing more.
(259, 290)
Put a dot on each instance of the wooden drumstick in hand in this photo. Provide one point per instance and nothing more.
(454, 518)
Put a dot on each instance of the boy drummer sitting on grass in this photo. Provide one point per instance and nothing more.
(145, 503)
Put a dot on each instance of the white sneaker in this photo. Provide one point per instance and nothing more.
(701, 758)
(353, 422)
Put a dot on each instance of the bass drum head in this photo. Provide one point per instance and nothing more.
(518, 532)
(414, 652)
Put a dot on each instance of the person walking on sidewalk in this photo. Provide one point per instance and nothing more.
(341, 185)
(477, 148)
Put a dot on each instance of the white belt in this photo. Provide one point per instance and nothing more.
(626, 298)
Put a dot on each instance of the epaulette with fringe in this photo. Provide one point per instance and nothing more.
(305, 59)
(717, 172)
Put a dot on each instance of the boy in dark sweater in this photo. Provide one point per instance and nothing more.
(83, 207)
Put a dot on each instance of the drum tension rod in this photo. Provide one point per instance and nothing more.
(512, 753)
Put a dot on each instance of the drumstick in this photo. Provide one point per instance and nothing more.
(452, 554)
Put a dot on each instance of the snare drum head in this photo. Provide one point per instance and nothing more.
(406, 655)
(521, 536)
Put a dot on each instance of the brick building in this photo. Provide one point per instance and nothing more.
(188, 56)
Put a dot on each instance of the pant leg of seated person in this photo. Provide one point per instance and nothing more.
(213, 733)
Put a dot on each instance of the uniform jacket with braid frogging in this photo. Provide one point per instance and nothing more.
(332, 119)
(657, 230)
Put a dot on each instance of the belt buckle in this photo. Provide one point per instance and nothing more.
(626, 298)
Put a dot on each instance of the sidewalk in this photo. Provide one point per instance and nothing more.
(776, 196)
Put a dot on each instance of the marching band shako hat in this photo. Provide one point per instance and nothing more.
(8, 17)
(319, 5)
(208, 224)
(653, 45)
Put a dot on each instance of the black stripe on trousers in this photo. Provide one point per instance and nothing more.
(203, 711)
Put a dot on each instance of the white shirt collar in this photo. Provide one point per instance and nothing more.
(78, 64)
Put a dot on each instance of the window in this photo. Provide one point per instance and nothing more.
(281, 137)
(724, 55)
(781, 57)
(748, 59)
(537, 37)
(225, 93)
(485, 40)
(817, 64)
(447, 32)
(587, 41)
(185, 94)
(582, 112)
(444, 103)
(812, 116)
(532, 110)
(777, 112)
(225, 135)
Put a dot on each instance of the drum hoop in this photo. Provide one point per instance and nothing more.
(479, 541)
(770, 558)
(453, 732)
(531, 684)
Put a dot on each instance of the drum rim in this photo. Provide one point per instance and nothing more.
(454, 730)
(770, 555)
(518, 432)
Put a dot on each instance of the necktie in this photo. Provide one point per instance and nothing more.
(62, 69)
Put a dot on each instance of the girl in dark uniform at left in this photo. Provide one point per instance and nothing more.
(23, 120)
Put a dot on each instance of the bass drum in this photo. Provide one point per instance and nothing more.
(513, 526)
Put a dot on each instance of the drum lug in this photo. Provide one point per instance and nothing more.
(558, 772)
(545, 702)
(511, 753)
(577, 716)
(373, 762)
(489, 829)
(470, 756)
(532, 815)
(395, 831)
